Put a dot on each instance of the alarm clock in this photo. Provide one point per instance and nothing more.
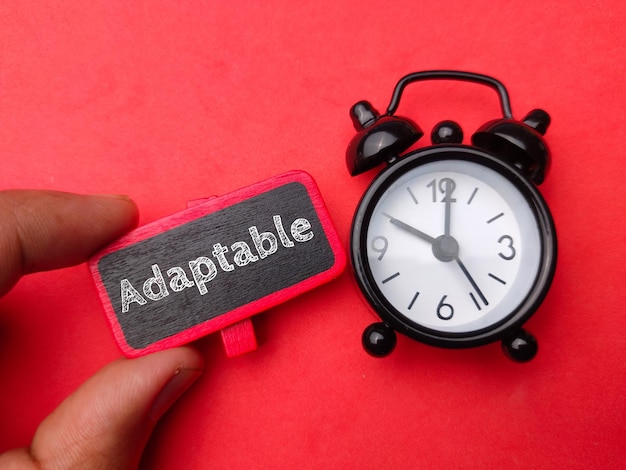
(451, 244)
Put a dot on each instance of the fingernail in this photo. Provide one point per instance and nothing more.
(114, 196)
(172, 391)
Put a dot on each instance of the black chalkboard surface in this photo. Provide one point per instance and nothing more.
(217, 263)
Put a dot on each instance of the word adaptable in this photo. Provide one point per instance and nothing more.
(204, 270)
(217, 263)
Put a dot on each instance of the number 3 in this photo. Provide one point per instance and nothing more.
(509, 245)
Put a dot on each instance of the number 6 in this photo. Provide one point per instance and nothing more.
(444, 306)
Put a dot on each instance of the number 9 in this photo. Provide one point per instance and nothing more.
(376, 247)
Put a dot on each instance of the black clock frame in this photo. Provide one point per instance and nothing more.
(508, 326)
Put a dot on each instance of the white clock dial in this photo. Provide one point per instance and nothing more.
(453, 246)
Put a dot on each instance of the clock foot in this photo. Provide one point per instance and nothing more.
(378, 339)
(520, 347)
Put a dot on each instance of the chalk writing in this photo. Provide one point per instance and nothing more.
(226, 258)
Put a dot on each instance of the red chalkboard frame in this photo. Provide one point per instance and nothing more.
(237, 318)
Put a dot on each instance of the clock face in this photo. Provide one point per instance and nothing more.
(451, 246)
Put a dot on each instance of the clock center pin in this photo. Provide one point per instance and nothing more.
(445, 248)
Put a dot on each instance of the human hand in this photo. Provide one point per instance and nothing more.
(106, 423)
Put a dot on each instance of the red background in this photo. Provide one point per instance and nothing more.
(169, 102)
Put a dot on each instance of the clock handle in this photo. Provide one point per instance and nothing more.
(491, 82)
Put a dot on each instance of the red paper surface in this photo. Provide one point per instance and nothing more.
(169, 101)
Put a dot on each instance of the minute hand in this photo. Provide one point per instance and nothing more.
(448, 200)
(471, 280)
(410, 229)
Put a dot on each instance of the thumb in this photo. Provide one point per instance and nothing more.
(106, 423)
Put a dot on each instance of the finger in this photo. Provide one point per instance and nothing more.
(108, 420)
(42, 230)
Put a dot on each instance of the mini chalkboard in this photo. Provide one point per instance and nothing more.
(217, 263)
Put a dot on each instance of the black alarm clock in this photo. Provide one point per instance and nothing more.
(452, 245)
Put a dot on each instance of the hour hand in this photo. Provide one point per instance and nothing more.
(409, 228)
